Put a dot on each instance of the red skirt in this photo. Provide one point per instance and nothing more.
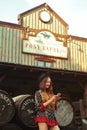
(45, 119)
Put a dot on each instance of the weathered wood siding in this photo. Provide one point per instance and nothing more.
(77, 56)
(10, 45)
(33, 21)
(11, 40)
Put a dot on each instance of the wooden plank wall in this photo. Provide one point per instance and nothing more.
(11, 52)
(33, 21)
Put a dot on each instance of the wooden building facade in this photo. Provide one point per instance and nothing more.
(40, 43)
(12, 36)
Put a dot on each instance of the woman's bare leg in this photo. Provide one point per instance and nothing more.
(43, 126)
(55, 127)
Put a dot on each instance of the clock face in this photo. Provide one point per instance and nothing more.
(45, 16)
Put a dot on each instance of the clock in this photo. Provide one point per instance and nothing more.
(45, 16)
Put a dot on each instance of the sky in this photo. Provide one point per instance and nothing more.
(73, 12)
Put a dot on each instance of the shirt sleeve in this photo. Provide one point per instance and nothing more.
(39, 102)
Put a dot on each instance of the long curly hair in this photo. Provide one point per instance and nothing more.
(46, 93)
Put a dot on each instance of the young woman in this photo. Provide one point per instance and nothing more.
(46, 104)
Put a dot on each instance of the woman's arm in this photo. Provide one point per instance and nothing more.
(53, 99)
(39, 101)
(42, 105)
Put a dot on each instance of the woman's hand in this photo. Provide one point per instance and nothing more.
(59, 96)
(56, 97)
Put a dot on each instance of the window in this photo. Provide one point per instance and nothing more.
(44, 64)
(48, 64)
(40, 63)
(43, 61)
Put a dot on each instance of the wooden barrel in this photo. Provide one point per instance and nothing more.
(25, 106)
(85, 95)
(83, 110)
(7, 109)
(64, 112)
(11, 126)
(83, 106)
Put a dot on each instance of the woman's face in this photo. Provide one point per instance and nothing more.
(48, 82)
